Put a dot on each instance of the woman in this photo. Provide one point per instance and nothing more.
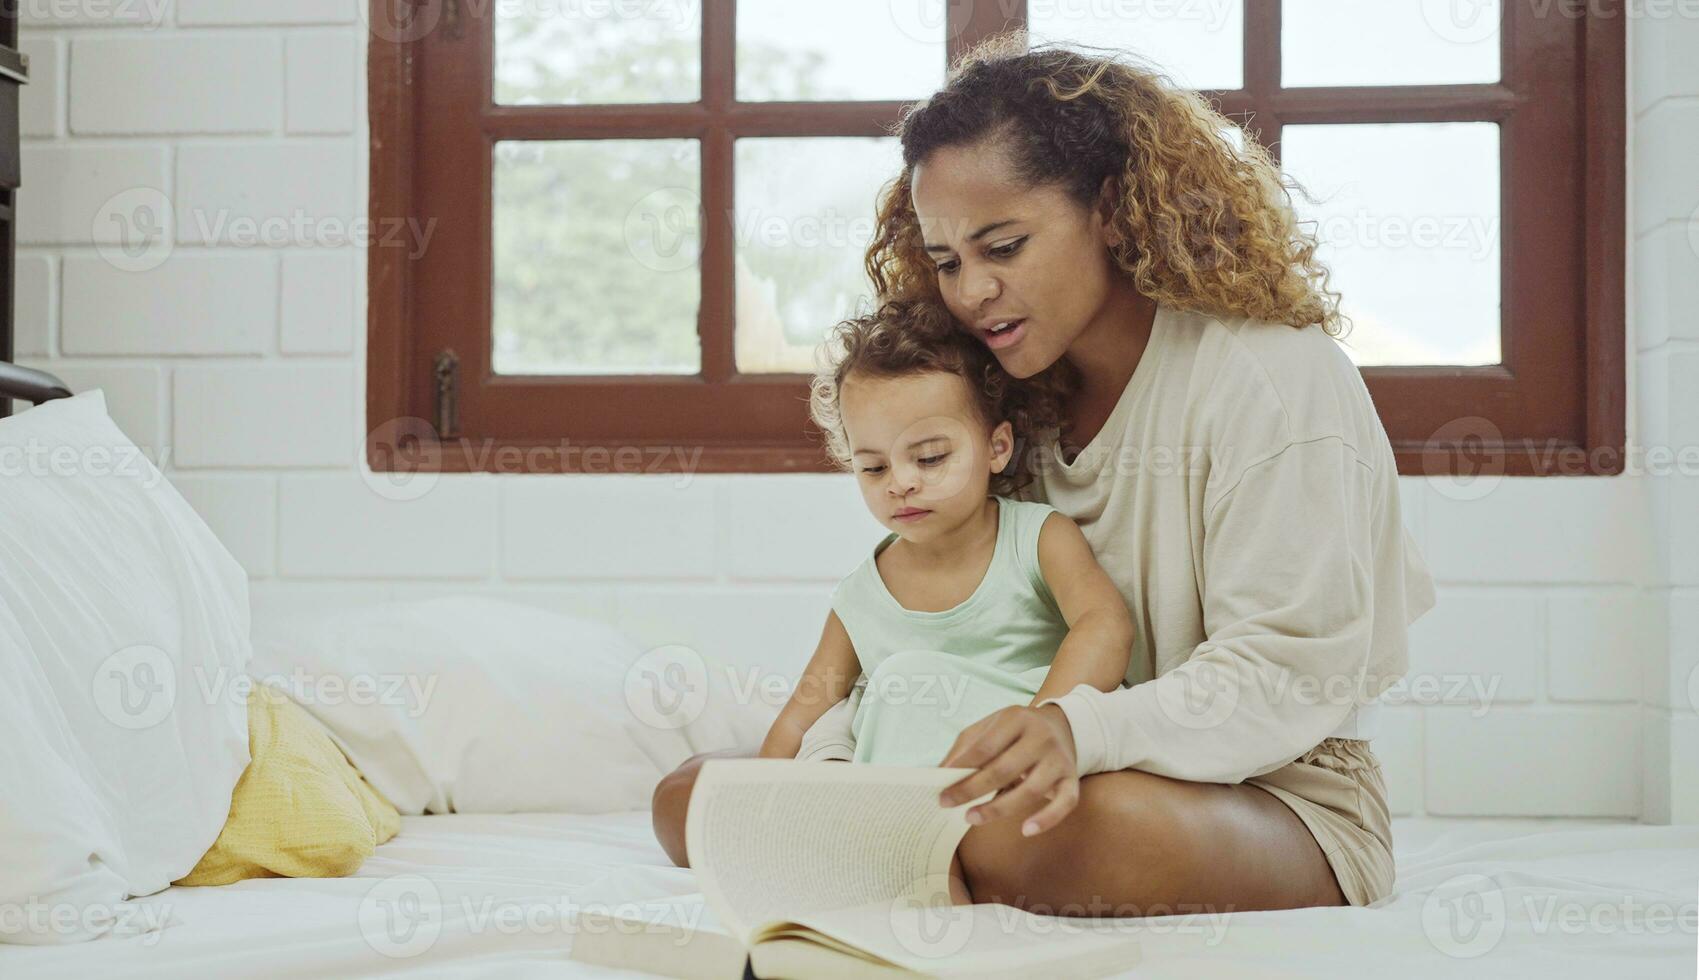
(1094, 226)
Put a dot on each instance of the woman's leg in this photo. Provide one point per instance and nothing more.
(1142, 844)
(672, 800)
(959, 894)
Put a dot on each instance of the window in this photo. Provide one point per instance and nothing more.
(644, 216)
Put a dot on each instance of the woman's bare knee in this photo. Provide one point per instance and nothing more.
(1141, 844)
(1123, 819)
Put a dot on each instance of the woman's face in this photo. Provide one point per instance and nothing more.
(1008, 252)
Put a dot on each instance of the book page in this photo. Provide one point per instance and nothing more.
(984, 940)
(674, 937)
(772, 839)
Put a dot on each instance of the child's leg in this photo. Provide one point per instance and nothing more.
(671, 801)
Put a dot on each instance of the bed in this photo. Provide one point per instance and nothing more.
(467, 895)
(492, 894)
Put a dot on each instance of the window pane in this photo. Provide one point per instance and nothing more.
(809, 51)
(804, 220)
(579, 53)
(1199, 45)
(1236, 135)
(1411, 42)
(595, 253)
(1408, 217)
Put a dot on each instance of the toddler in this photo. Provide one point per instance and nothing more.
(976, 600)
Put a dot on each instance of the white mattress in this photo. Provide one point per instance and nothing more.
(471, 895)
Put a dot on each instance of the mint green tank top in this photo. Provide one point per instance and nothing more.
(1011, 621)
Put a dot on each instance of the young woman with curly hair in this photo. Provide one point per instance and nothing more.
(1095, 228)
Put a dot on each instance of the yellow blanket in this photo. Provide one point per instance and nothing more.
(300, 810)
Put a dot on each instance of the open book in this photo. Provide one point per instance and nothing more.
(831, 870)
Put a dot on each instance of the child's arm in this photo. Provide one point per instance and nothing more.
(830, 675)
(1099, 643)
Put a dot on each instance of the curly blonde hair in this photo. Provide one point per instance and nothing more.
(902, 339)
(1202, 225)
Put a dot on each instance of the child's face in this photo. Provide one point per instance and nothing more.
(921, 456)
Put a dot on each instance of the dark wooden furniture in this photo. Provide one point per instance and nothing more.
(14, 73)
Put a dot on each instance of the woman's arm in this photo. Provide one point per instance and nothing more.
(1289, 558)
(827, 679)
(1099, 643)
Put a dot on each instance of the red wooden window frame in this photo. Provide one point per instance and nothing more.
(1556, 403)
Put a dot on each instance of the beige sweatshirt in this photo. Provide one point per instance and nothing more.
(1244, 497)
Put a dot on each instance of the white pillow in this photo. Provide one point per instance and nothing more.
(118, 609)
(474, 705)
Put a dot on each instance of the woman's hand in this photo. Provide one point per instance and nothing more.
(1027, 756)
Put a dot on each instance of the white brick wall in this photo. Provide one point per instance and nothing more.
(135, 398)
(40, 115)
(1567, 531)
(1668, 287)
(318, 302)
(1665, 276)
(235, 415)
(71, 184)
(773, 629)
(242, 510)
(1557, 676)
(34, 312)
(1480, 646)
(1663, 64)
(183, 84)
(333, 526)
(294, 192)
(1595, 640)
(191, 304)
(47, 14)
(1399, 749)
(1580, 762)
(1668, 134)
(776, 529)
(650, 527)
(321, 81)
(213, 13)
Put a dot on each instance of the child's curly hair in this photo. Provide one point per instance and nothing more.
(1202, 224)
(904, 338)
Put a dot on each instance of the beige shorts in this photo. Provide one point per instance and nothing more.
(1337, 789)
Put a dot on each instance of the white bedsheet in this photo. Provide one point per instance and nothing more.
(475, 896)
